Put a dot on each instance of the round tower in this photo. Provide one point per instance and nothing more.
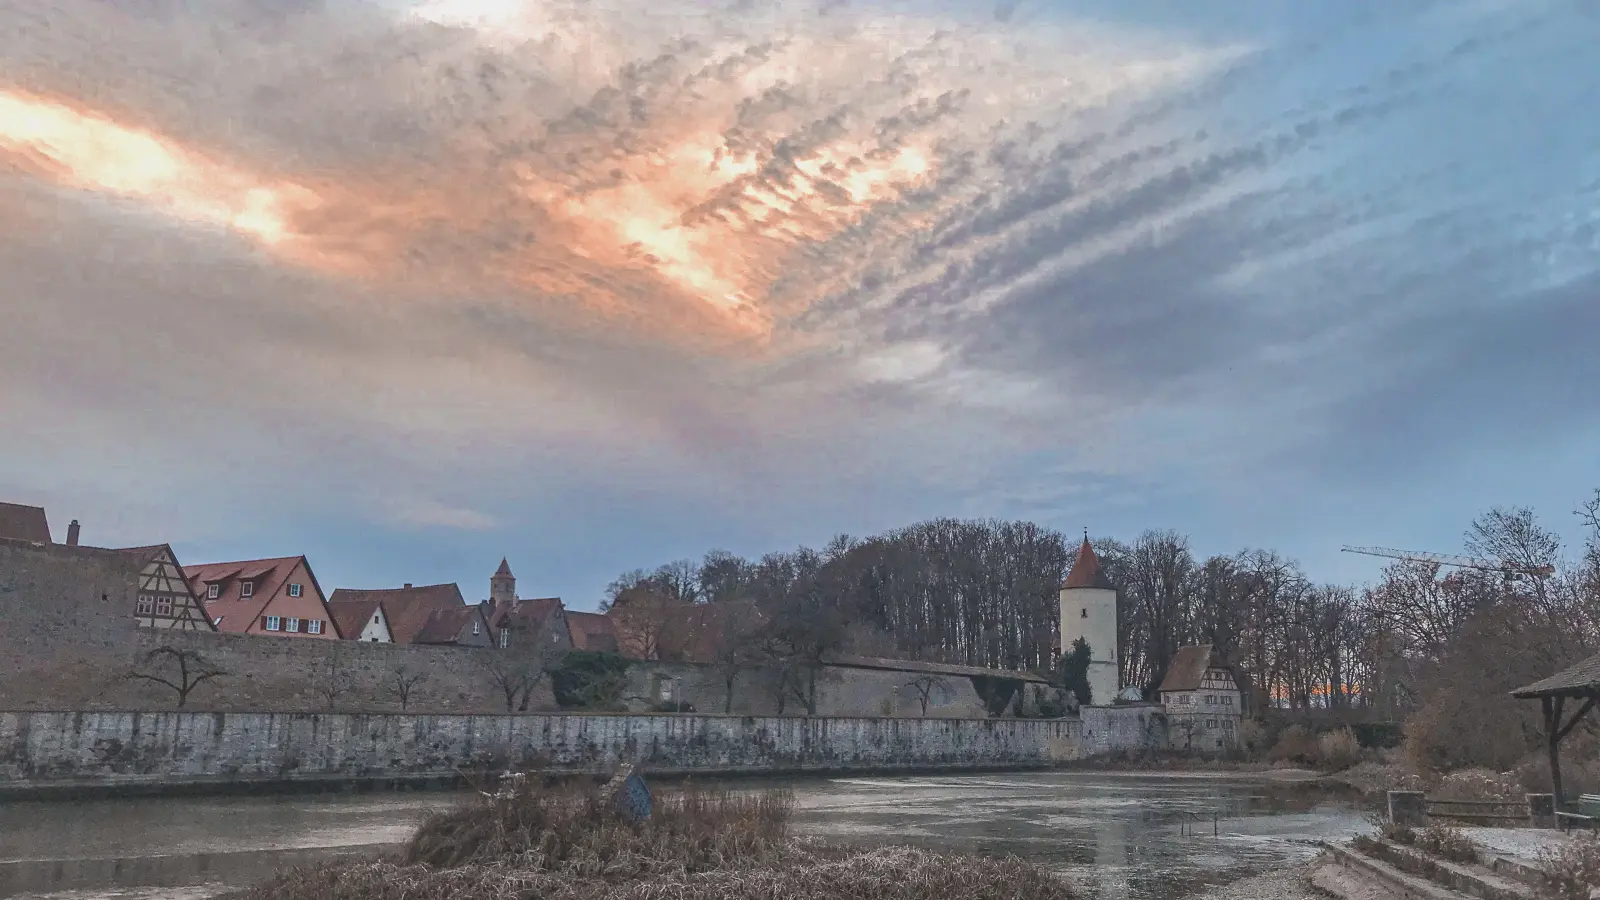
(1089, 612)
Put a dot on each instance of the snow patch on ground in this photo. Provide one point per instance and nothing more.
(1526, 845)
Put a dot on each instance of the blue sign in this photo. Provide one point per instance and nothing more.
(633, 798)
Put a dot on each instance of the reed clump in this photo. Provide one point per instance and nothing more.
(569, 842)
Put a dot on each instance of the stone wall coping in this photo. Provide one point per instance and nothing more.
(554, 714)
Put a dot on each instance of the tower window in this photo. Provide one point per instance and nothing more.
(1083, 613)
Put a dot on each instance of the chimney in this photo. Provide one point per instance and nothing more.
(408, 584)
(72, 534)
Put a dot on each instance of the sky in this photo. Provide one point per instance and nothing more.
(410, 286)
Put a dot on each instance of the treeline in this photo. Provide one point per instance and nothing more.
(986, 593)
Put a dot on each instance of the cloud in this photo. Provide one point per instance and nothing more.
(1003, 257)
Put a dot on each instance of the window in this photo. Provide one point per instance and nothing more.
(313, 626)
(1226, 700)
(146, 605)
(292, 625)
(477, 627)
(217, 621)
(212, 591)
(1183, 700)
(272, 623)
(163, 606)
(505, 637)
(294, 590)
(555, 637)
(1083, 613)
(1211, 723)
(247, 589)
(664, 690)
(376, 620)
(1210, 699)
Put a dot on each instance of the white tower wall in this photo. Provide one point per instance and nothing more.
(1090, 613)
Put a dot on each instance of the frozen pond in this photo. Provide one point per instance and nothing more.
(1143, 837)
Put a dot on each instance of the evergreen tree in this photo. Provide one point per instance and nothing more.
(1073, 671)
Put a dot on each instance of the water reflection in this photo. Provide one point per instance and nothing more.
(1137, 837)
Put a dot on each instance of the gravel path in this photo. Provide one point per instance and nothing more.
(1525, 844)
(1285, 884)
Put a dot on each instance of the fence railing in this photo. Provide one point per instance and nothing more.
(1415, 809)
(1477, 810)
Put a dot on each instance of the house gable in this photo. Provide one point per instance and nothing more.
(304, 615)
(164, 599)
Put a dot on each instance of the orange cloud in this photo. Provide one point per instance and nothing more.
(86, 151)
(692, 218)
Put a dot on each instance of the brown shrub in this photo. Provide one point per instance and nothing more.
(1338, 750)
(1252, 736)
(1573, 871)
(1447, 843)
(1298, 745)
(571, 829)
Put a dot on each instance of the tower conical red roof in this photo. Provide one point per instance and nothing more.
(505, 568)
(1086, 571)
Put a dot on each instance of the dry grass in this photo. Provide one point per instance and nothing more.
(569, 829)
(1573, 872)
(895, 873)
(565, 843)
(1478, 784)
(1447, 843)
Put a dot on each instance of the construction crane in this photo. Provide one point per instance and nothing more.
(1510, 571)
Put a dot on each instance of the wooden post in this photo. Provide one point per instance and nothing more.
(1552, 729)
(1408, 808)
(1541, 810)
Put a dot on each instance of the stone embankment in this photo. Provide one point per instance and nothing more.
(44, 753)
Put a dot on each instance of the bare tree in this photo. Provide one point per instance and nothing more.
(516, 671)
(928, 688)
(649, 623)
(728, 632)
(402, 680)
(331, 679)
(180, 669)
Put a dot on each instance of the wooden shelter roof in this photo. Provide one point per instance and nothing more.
(1581, 680)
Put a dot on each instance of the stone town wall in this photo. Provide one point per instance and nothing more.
(1115, 729)
(68, 642)
(841, 691)
(53, 748)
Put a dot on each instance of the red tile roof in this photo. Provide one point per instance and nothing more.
(352, 618)
(592, 631)
(445, 625)
(528, 614)
(1086, 571)
(24, 523)
(236, 611)
(1188, 669)
(408, 608)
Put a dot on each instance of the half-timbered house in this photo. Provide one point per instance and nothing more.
(165, 599)
(1202, 700)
